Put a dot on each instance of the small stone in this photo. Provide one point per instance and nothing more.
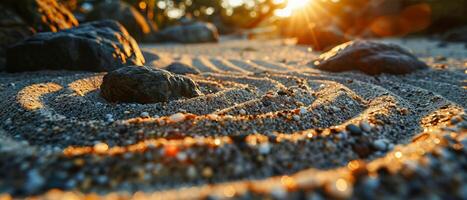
(109, 117)
(303, 110)
(196, 32)
(353, 129)
(181, 68)
(369, 57)
(242, 112)
(35, 181)
(101, 147)
(178, 117)
(191, 172)
(296, 117)
(264, 148)
(365, 126)
(207, 172)
(380, 144)
(144, 115)
(140, 84)
(182, 156)
(335, 109)
(279, 192)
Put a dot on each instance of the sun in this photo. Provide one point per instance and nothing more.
(291, 6)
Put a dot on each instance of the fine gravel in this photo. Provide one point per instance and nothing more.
(268, 125)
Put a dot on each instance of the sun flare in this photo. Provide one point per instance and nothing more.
(291, 6)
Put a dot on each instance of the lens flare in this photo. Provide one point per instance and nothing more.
(291, 7)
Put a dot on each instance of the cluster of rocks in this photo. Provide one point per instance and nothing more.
(44, 35)
(77, 47)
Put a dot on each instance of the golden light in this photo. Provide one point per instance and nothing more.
(291, 7)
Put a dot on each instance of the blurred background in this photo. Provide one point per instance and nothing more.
(320, 23)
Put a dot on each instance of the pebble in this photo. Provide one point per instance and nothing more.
(242, 112)
(365, 126)
(101, 147)
(303, 111)
(353, 129)
(279, 193)
(380, 144)
(182, 156)
(264, 148)
(207, 172)
(109, 118)
(178, 117)
(296, 117)
(35, 181)
(144, 115)
(191, 172)
(335, 109)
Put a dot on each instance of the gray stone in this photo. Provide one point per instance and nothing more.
(369, 57)
(180, 68)
(198, 32)
(141, 84)
(456, 35)
(96, 46)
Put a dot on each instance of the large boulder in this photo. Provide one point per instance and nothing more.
(136, 24)
(197, 32)
(96, 46)
(140, 84)
(369, 57)
(43, 15)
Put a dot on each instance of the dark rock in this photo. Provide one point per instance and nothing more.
(198, 32)
(456, 35)
(362, 147)
(146, 85)
(180, 68)
(323, 38)
(12, 29)
(97, 46)
(150, 56)
(136, 24)
(43, 15)
(353, 129)
(369, 57)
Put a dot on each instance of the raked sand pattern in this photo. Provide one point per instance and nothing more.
(267, 125)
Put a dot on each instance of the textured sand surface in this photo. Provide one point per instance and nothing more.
(268, 125)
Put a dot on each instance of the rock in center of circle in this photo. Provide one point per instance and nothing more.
(141, 84)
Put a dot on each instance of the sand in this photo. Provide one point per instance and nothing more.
(267, 126)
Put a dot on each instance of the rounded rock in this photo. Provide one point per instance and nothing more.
(370, 57)
(140, 84)
(181, 68)
(354, 129)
